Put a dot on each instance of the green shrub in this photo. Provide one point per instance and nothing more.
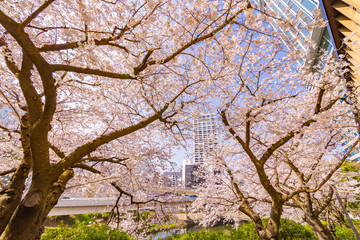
(289, 230)
(245, 231)
(89, 217)
(344, 233)
(160, 227)
(295, 231)
(82, 231)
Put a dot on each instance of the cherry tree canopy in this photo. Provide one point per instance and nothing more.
(91, 85)
(283, 127)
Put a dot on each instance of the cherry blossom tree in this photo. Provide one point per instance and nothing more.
(90, 86)
(282, 138)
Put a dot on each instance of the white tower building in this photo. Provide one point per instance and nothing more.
(205, 137)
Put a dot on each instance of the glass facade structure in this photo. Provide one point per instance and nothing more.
(293, 7)
(322, 37)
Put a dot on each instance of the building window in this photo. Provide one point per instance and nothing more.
(309, 5)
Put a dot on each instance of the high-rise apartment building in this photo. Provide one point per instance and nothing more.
(205, 137)
(205, 142)
(343, 22)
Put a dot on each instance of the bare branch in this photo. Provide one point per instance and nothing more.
(143, 65)
(121, 191)
(111, 160)
(325, 203)
(37, 12)
(57, 151)
(86, 167)
(90, 71)
(8, 171)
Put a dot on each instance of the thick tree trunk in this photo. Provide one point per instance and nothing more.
(10, 197)
(319, 229)
(258, 224)
(271, 230)
(273, 225)
(54, 194)
(27, 219)
(268, 232)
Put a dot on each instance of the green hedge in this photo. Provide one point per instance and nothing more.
(295, 231)
(289, 230)
(80, 230)
(346, 233)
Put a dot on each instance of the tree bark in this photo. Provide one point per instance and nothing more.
(10, 197)
(26, 221)
(271, 230)
(258, 224)
(319, 229)
(53, 196)
(337, 216)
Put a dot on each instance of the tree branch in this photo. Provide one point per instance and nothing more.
(90, 71)
(143, 65)
(32, 98)
(233, 133)
(86, 167)
(36, 13)
(111, 160)
(325, 203)
(319, 100)
(132, 197)
(9, 62)
(48, 82)
(89, 147)
(8, 171)
(57, 151)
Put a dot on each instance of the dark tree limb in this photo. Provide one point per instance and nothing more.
(121, 191)
(110, 160)
(86, 167)
(57, 151)
(37, 12)
(3, 173)
(143, 65)
(89, 71)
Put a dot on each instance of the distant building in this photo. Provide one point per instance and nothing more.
(205, 137)
(205, 142)
(173, 179)
(189, 177)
